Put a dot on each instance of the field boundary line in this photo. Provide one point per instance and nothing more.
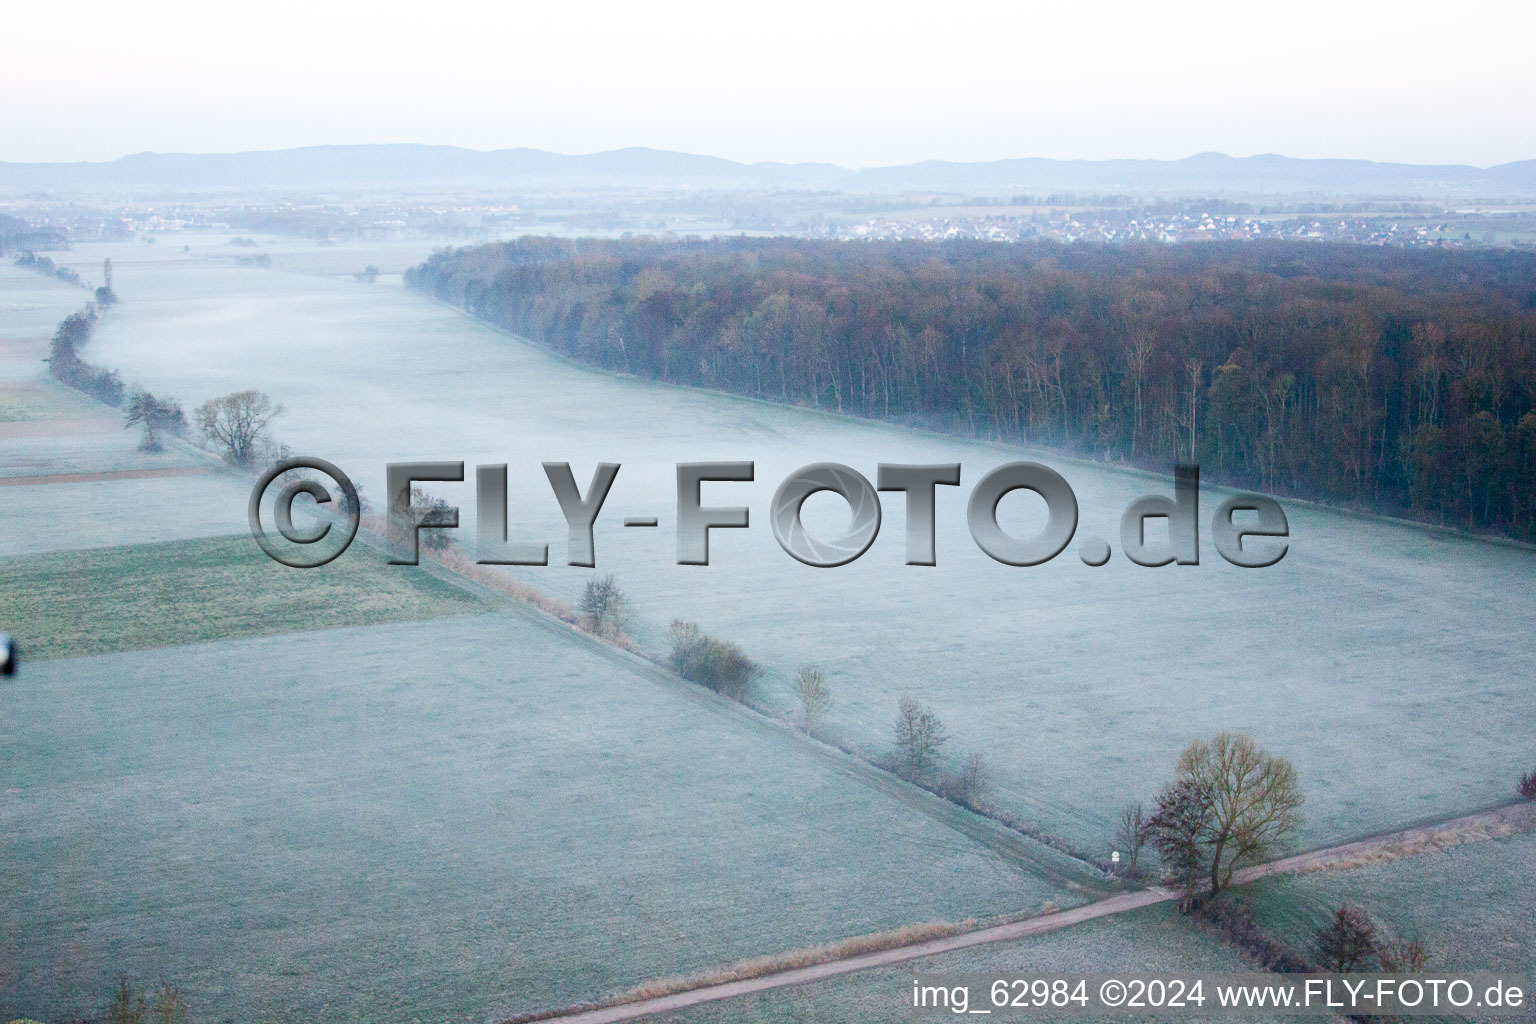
(1008, 843)
(1432, 837)
(1040, 925)
(42, 480)
(1414, 841)
(1005, 841)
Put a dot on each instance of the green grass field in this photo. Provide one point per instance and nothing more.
(63, 604)
(449, 820)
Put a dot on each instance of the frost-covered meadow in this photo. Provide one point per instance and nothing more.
(1147, 942)
(1472, 905)
(101, 600)
(448, 820)
(1079, 685)
(455, 819)
(481, 814)
(59, 449)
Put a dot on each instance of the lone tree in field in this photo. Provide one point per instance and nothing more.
(1230, 805)
(1131, 835)
(1178, 829)
(236, 424)
(602, 603)
(969, 788)
(1348, 942)
(156, 416)
(815, 696)
(919, 735)
(1255, 801)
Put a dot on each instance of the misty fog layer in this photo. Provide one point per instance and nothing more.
(1372, 653)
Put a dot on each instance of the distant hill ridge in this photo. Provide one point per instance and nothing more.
(405, 165)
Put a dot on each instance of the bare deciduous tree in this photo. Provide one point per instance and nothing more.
(126, 1007)
(814, 694)
(603, 604)
(971, 785)
(170, 1006)
(1255, 801)
(683, 637)
(919, 735)
(1229, 805)
(1348, 942)
(1131, 834)
(1177, 828)
(236, 423)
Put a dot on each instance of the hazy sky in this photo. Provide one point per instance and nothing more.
(857, 84)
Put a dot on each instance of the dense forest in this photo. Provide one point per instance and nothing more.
(1399, 380)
